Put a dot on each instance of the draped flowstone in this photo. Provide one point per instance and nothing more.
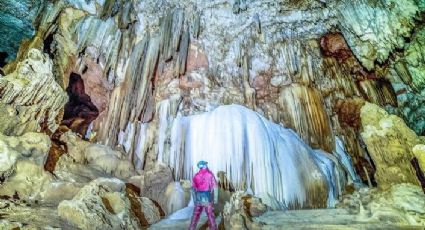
(255, 154)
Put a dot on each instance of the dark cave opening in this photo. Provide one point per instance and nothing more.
(79, 111)
(47, 43)
(3, 59)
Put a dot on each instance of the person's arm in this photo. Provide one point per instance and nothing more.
(193, 190)
(215, 189)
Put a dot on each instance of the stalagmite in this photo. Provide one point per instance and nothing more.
(303, 111)
(389, 142)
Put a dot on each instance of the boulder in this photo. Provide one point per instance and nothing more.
(101, 204)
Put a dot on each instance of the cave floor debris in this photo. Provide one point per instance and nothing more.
(330, 219)
(27, 216)
(322, 219)
(17, 215)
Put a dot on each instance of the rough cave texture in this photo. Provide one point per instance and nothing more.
(16, 24)
(123, 77)
(405, 201)
(30, 98)
(390, 144)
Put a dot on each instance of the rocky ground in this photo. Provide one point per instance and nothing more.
(401, 207)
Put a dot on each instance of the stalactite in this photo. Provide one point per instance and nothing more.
(257, 23)
(182, 54)
(196, 26)
(379, 92)
(136, 96)
(303, 110)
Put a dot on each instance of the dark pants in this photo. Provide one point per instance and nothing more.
(203, 200)
(209, 209)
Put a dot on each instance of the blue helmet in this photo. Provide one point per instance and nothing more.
(202, 164)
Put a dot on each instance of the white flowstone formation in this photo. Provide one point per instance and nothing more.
(345, 160)
(254, 153)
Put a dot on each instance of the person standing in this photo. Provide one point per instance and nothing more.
(205, 194)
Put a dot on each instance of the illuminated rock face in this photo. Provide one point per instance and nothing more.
(200, 56)
(389, 142)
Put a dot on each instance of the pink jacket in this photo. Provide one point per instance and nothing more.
(204, 180)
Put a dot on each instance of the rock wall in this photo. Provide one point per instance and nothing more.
(16, 25)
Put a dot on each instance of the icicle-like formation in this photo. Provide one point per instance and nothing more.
(334, 174)
(345, 160)
(255, 154)
(133, 101)
(164, 111)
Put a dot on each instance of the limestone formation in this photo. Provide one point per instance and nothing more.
(23, 173)
(105, 203)
(240, 210)
(396, 21)
(31, 146)
(389, 142)
(31, 97)
(253, 60)
(402, 203)
(155, 183)
(99, 156)
(100, 204)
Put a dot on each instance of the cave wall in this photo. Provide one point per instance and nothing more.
(16, 24)
(309, 65)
